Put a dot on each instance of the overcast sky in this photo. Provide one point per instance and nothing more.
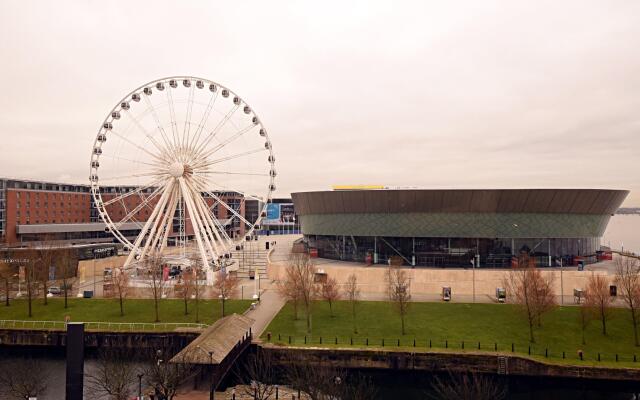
(477, 94)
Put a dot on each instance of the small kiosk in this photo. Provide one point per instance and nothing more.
(501, 295)
(446, 293)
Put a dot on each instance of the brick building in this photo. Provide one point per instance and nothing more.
(32, 211)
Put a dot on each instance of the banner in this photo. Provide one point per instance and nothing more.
(273, 213)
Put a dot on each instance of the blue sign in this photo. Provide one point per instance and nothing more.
(273, 212)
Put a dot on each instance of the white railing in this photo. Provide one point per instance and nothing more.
(101, 326)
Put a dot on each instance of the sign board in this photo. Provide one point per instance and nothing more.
(280, 214)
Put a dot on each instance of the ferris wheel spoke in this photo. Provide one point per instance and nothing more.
(158, 123)
(156, 156)
(187, 121)
(146, 200)
(157, 217)
(203, 120)
(228, 140)
(130, 160)
(164, 224)
(138, 175)
(207, 163)
(213, 219)
(230, 173)
(227, 189)
(161, 149)
(131, 193)
(207, 139)
(172, 115)
(195, 220)
(225, 205)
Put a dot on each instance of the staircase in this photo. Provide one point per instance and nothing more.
(503, 366)
(250, 259)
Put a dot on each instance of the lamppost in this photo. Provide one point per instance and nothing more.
(473, 277)
(561, 283)
(213, 389)
(140, 386)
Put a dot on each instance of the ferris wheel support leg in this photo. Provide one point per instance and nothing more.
(141, 236)
(207, 219)
(161, 238)
(186, 195)
(197, 220)
(158, 221)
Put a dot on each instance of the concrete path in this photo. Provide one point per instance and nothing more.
(269, 306)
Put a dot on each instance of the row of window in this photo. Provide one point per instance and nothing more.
(46, 204)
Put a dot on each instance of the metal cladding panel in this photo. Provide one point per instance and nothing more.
(539, 200)
(353, 201)
(484, 200)
(567, 201)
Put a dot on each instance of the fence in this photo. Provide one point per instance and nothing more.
(527, 349)
(101, 326)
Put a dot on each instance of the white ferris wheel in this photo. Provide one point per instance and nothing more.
(179, 158)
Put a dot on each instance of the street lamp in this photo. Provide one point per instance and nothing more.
(212, 390)
(140, 386)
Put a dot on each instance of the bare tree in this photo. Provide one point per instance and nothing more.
(184, 288)
(28, 273)
(468, 386)
(67, 259)
(194, 276)
(120, 282)
(352, 292)
(598, 299)
(225, 286)
(628, 281)
(22, 378)
(6, 275)
(45, 257)
(399, 291)
(259, 375)
(531, 291)
(113, 375)
(329, 292)
(304, 273)
(585, 316)
(288, 288)
(154, 267)
(165, 377)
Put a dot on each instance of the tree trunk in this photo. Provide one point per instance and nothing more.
(186, 310)
(44, 287)
(6, 291)
(222, 300)
(353, 312)
(121, 306)
(330, 309)
(295, 310)
(64, 282)
(155, 304)
(308, 312)
(531, 338)
(402, 319)
(604, 323)
(29, 300)
(635, 326)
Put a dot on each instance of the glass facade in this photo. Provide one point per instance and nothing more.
(455, 252)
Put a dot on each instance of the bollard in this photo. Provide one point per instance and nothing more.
(289, 339)
(398, 342)
(305, 339)
(529, 350)
(268, 336)
(634, 358)
(382, 342)
(414, 342)
(279, 338)
(546, 352)
(352, 341)
(429, 343)
(446, 344)
(463, 345)
(563, 355)
(336, 340)
(598, 356)
(367, 341)
(513, 348)
(320, 339)
(277, 392)
(616, 357)
(478, 345)
(580, 354)
(495, 346)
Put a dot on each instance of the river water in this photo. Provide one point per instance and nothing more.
(623, 231)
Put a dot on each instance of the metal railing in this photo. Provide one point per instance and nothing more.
(101, 325)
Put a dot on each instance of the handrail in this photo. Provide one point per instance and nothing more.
(99, 325)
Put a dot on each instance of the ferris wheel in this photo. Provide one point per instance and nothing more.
(179, 159)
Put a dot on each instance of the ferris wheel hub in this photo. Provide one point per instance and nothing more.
(176, 169)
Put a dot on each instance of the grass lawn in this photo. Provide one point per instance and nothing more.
(108, 310)
(449, 324)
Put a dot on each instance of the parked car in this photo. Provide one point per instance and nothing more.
(55, 290)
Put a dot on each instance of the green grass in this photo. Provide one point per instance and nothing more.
(449, 324)
(108, 310)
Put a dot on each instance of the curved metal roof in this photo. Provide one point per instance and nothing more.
(547, 201)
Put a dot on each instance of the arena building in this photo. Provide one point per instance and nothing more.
(457, 228)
